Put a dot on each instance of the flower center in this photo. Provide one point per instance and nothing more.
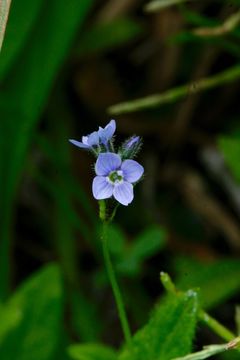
(115, 177)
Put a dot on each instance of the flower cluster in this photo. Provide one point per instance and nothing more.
(116, 172)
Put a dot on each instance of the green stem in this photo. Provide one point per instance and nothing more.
(212, 323)
(113, 281)
(218, 328)
(174, 94)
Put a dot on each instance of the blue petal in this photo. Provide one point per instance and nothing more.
(106, 133)
(79, 144)
(123, 193)
(106, 163)
(93, 138)
(132, 170)
(101, 188)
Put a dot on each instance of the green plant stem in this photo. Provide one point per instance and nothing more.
(172, 95)
(218, 328)
(115, 287)
(212, 323)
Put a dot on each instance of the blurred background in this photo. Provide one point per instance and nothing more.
(169, 73)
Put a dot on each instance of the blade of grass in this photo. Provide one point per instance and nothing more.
(174, 94)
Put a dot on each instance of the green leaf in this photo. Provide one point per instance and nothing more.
(103, 37)
(169, 332)
(217, 281)
(39, 303)
(91, 351)
(83, 316)
(116, 239)
(148, 243)
(230, 147)
(14, 40)
(25, 96)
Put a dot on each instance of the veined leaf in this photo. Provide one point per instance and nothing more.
(169, 332)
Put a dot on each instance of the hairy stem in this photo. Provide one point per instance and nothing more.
(218, 328)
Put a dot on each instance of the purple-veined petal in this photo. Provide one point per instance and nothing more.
(132, 170)
(79, 144)
(106, 133)
(93, 138)
(106, 163)
(123, 193)
(101, 188)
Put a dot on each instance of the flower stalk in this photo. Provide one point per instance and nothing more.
(111, 275)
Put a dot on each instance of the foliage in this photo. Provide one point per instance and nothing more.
(169, 72)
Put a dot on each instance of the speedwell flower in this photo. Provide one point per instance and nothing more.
(87, 141)
(106, 134)
(115, 178)
(102, 136)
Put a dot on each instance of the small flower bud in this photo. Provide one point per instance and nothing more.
(130, 147)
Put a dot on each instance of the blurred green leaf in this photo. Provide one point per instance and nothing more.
(18, 30)
(144, 246)
(26, 91)
(230, 147)
(39, 301)
(116, 240)
(237, 318)
(217, 281)
(148, 243)
(84, 315)
(91, 352)
(10, 318)
(106, 36)
(169, 332)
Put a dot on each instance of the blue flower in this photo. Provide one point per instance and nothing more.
(87, 141)
(115, 178)
(102, 136)
(105, 134)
